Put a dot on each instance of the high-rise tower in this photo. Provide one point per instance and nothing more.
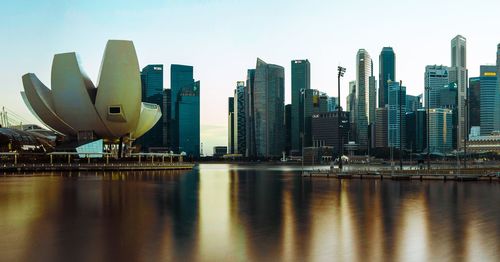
(363, 73)
(301, 81)
(458, 75)
(387, 71)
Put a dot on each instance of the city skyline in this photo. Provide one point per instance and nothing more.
(221, 52)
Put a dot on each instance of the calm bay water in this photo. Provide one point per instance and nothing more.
(242, 213)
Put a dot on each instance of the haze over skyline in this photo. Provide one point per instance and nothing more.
(222, 39)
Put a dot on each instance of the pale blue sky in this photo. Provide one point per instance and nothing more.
(222, 39)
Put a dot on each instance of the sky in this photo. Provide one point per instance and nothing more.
(222, 39)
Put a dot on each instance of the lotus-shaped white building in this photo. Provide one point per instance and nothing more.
(75, 107)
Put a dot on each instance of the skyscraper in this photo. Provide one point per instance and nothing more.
(489, 102)
(152, 92)
(240, 118)
(269, 106)
(436, 78)
(387, 71)
(230, 127)
(249, 114)
(288, 128)
(362, 116)
(167, 101)
(333, 102)
(440, 130)
(497, 109)
(474, 102)
(397, 97)
(188, 117)
(181, 76)
(381, 126)
(314, 102)
(458, 75)
(373, 98)
(413, 103)
(301, 81)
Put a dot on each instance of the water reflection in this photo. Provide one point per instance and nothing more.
(238, 213)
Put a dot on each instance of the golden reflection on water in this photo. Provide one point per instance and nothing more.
(238, 213)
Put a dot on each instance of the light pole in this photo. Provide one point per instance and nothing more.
(341, 71)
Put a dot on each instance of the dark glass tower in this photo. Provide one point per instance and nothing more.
(185, 110)
(152, 92)
(188, 117)
(301, 80)
(230, 124)
(474, 102)
(387, 71)
(269, 109)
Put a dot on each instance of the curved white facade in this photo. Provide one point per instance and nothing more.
(75, 105)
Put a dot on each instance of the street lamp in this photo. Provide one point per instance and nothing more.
(341, 71)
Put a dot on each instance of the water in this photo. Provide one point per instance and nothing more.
(238, 213)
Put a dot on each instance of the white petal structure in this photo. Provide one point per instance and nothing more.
(75, 105)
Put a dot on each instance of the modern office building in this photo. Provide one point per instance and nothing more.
(181, 77)
(488, 99)
(381, 125)
(269, 109)
(396, 119)
(167, 107)
(219, 151)
(301, 80)
(325, 130)
(440, 130)
(421, 130)
(474, 102)
(411, 131)
(373, 98)
(448, 96)
(249, 114)
(351, 99)
(231, 139)
(333, 102)
(436, 78)
(413, 103)
(314, 102)
(458, 74)
(188, 117)
(152, 92)
(362, 114)
(387, 71)
(288, 128)
(240, 118)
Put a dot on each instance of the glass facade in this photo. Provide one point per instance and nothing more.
(188, 115)
(397, 97)
(440, 130)
(436, 78)
(152, 92)
(387, 71)
(474, 102)
(362, 103)
(269, 106)
(181, 77)
(240, 118)
(301, 80)
(488, 97)
(231, 126)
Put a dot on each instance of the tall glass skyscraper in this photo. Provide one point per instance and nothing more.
(489, 101)
(301, 81)
(269, 106)
(387, 71)
(152, 92)
(239, 118)
(230, 126)
(397, 97)
(188, 117)
(440, 130)
(458, 74)
(436, 78)
(362, 116)
(474, 102)
(333, 102)
(185, 111)
(249, 114)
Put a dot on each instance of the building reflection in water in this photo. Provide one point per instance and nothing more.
(240, 213)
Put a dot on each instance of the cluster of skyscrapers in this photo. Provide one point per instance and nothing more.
(261, 125)
(179, 128)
